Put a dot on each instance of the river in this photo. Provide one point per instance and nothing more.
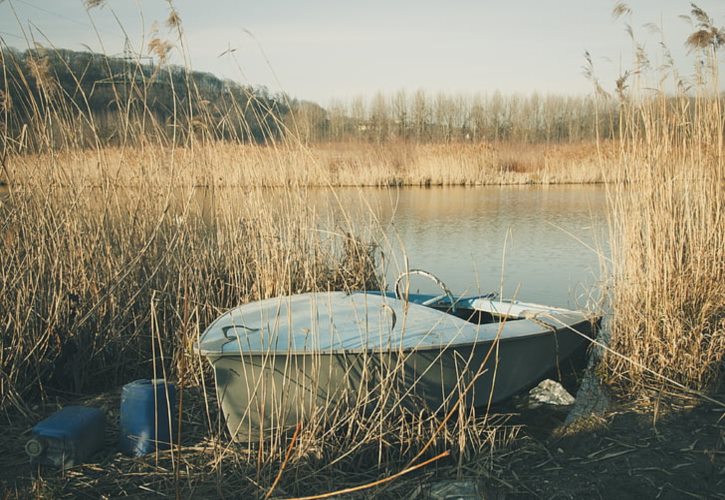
(543, 244)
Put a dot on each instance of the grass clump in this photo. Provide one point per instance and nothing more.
(667, 226)
(83, 268)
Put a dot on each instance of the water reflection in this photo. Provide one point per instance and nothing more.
(535, 238)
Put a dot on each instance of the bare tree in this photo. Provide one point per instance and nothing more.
(379, 117)
(420, 115)
(400, 114)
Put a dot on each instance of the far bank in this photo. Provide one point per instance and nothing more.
(227, 164)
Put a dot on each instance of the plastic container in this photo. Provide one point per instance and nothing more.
(148, 416)
(68, 437)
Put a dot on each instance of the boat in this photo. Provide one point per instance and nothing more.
(294, 359)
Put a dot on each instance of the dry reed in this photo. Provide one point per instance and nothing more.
(114, 259)
(106, 251)
(668, 233)
(322, 165)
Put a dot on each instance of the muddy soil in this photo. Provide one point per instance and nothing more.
(660, 450)
(631, 451)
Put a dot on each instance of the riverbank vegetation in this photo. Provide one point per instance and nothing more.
(324, 165)
(667, 227)
(109, 270)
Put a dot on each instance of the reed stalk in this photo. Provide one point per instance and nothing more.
(667, 229)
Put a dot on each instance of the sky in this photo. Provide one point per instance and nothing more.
(321, 50)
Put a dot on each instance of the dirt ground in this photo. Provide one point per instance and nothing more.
(666, 450)
(670, 451)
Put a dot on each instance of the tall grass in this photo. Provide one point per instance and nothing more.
(668, 228)
(224, 164)
(110, 267)
(94, 238)
(102, 284)
(83, 266)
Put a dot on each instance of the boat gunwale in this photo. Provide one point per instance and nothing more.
(501, 338)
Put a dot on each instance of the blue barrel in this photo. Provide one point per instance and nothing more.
(68, 437)
(148, 416)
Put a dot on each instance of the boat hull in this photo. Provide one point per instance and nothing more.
(265, 393)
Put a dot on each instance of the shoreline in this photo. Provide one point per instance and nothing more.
(327, 164)
(669, 447)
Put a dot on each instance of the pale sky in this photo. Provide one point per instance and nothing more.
(323, 49)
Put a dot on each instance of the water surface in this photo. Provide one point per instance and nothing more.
(536, 240)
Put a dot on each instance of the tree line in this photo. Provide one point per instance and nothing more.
(425, 117)
(86, 98)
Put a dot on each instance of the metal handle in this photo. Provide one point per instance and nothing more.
(447, 292)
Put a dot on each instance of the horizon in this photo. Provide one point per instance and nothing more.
(323, 52)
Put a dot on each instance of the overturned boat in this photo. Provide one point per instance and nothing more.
(300, 358)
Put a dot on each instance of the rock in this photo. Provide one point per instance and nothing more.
(551, 393)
